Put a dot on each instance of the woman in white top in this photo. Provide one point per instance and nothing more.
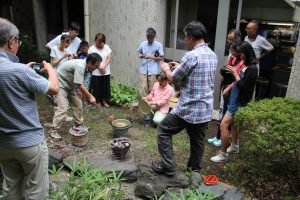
(59, 53)
(100, 85)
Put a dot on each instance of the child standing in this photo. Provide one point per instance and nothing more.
(82, 53)
(59, 53)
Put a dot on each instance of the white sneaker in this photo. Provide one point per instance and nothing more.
(234, 148)
(221, 157)
(54, 134)
(211, 140)
(217, 143)
(68, 118)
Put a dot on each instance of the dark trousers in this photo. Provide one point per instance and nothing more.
(172, 125)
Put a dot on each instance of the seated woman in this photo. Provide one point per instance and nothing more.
(159, 97)
(240, 95)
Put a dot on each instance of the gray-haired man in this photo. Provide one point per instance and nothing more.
(150, 52)
(260, 45)
(23, 150)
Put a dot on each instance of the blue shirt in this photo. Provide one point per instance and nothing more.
(149, 66)
(196, 72)
(19, 119)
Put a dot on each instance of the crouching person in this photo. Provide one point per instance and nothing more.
(23, 150)
(159, 97)
(71, 87)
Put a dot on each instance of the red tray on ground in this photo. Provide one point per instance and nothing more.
(211, 180)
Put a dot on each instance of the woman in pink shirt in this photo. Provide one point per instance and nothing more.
(159, 97)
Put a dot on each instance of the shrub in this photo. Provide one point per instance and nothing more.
(271, 144)
(28, 51)
(123, 94)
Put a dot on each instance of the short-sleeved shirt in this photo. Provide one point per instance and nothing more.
(259, 44)
(57, 54)
(72, 48)
(104, 53)
(150, 66)
(19, 120)
(71, 74)
(196, 72)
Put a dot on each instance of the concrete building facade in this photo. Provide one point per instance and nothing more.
(294, 82)
(124, 23)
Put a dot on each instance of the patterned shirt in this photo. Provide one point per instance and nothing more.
(19, 119)
(196, 72)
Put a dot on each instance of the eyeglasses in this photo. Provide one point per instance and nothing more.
(18, 39)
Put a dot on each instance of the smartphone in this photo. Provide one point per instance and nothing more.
(37, 67)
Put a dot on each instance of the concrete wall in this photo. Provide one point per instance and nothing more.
(124, 23)
(294, 82)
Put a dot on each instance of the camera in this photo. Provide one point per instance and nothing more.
(142, 56)
(228, 78)
(37, 67)
(156, 53)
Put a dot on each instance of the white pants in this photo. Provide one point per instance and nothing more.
(158, 117)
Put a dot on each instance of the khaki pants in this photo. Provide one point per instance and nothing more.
(146, 84)
(25, 172)
(62, 108)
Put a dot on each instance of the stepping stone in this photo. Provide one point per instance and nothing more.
(217, 191)
(54, 159)
(108, 164)
(151, 184)
(233, 194)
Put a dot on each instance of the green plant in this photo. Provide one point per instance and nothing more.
(87, 183)
(158, 198)
(190, 194)
(28, 51)
(54, 171)
(271, 143)
(123, 94)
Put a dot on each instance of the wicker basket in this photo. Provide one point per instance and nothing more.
(80, 140)
(120, 152)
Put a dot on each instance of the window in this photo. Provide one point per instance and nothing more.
(189, 10)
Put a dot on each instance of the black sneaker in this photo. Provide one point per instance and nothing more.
(157, 167)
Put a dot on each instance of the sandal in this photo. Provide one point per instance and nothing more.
(105, 104)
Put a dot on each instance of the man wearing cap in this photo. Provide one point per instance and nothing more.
(150, 52)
